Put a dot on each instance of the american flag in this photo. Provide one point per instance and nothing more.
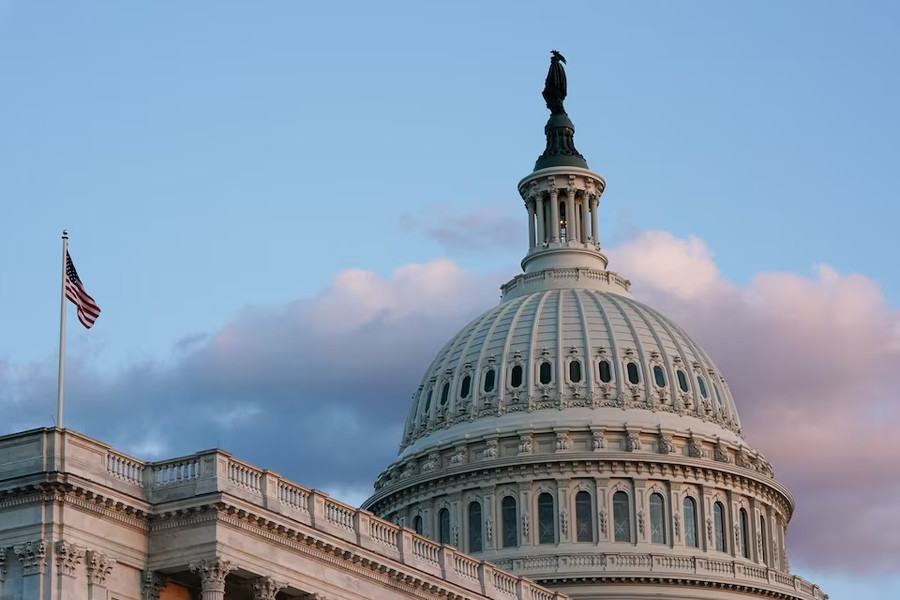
(88, 311)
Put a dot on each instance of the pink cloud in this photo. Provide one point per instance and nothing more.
(813, 365)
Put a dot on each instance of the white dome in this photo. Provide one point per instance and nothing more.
(488, 378)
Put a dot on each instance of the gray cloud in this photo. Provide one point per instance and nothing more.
(487, 227)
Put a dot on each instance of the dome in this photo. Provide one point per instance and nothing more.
(576, 436)
(571, 357)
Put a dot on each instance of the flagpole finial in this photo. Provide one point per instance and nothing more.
(65, 234)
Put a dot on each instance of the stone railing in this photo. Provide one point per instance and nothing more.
(89, 463)
(627, 564)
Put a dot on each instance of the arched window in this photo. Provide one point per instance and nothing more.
(657, 519)
(417, 524)
(659, 376)
(510, 522)
(444, 526)
(515, 378)
(546, 373)
(546, 519)
(745, 537)
(719, 525)
(690, 522)
(489, 378)
(445, 394)
(621, 517)
(475, 544)
(702, 385)
(466, 386)
(605, 371)
(584, 517)
(633, 376)
(762, 531)
(427, 404)
(682, 380)
(575, 371)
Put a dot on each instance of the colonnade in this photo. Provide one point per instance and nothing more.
(562, 217)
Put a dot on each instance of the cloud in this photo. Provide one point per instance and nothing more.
(812, 363)
(318, 389)
(487, 227)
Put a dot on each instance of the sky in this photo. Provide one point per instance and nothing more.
(284, 209)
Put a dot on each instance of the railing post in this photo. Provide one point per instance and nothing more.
(486, 577)
(362, 523)
(405, 545)
(523, 589)
(269, 488)
(446, 561)
(316, 509)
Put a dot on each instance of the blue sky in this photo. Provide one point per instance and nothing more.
(215, 161)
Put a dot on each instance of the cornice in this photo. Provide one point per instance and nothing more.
(337, 552)
(571, 465)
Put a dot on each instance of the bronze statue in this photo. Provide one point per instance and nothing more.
(555, 85)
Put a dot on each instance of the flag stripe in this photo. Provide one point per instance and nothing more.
(88, 311)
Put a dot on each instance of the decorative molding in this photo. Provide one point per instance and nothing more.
(99, 567)
(68, 557)
(264, 588)
(212, 573)
(33, 556)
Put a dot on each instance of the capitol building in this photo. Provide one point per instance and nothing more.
(570, 442)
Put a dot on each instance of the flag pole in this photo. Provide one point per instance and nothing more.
(62, 332)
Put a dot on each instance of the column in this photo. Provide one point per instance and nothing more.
(212, 577)
(264, 588)
(571, 219)
(68, 559)
(33, 556)
(542, 226)
(594, 202)
(554, 215)
(585, 211)
(99, 568)
(153, 582)
(531, 239)
(3, 570)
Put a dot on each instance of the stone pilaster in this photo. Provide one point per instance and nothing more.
(99, 567)
(153, 583)
(264, 588)
(3, 567)
(68, 557)
(33, 556)
(212, 577)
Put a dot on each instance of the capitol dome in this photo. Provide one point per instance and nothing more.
(576, 436)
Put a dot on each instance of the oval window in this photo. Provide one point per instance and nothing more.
(465, 388)
(633, 375)
(445, 393)
(428, 401)
(659, 376)
(515, 378)
(575, 371)
(682, 381)
(489, 381)
(702, 385)
(546, 373)
(605, 371)
(718, 396)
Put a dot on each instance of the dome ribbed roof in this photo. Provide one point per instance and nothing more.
(511, 368)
